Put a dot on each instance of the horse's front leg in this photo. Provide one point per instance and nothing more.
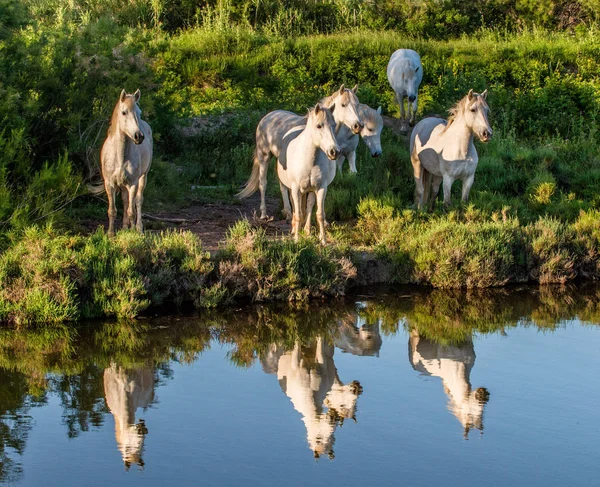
(340, 163)
(466, 187)
(447, 190)
(125, 198)
(310, 204)
(285, 195)
(138, 203)
(414, 105)
(400, 99)
(296, 216)
(321, 193)
(112, 208)
(132, 199)
(352, 162)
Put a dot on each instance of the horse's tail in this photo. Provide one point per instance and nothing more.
(96, 188)
(252, 185)
(427, 180)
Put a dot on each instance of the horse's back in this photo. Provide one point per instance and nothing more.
(424, 130)
(277, 129)
(399, 61)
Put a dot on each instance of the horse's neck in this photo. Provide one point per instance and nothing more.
(458, 139)
(120, 144)
(305, 147)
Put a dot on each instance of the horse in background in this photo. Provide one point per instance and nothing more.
(443, 150)
(278, 128)
(125, 159)
(126, 391)
(370, 134)
(405, 73)
(453, 364)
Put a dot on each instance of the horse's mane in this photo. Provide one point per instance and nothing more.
(112, 126)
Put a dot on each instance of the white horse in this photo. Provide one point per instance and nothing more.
(443, 150)
(453, 365)
(308, 165)
(405, 73)
(308, 376)
(370, 133)
(125, 158)
(278, 128)
(125, 392)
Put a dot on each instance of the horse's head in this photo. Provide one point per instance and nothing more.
(127, 116)
(410, 80)
(371, 132)
(322, 128)
(476, 111)
(346, 113)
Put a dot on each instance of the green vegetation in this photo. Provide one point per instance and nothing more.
(209, 70)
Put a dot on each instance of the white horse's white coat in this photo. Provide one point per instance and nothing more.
(453, 365)
(443, 150)
(309, 162)
(370, 134)
(405, 73)
(125, 392)
(278, 128)
(308, 376)
(125, 159)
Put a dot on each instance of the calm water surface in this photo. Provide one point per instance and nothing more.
(390, 388)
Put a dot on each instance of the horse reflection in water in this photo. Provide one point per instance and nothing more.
(127, 390)
(307, 375)
(357, 337)
(453, 364)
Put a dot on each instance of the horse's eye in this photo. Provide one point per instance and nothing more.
(344, 105)
(473, 110)
(124, 112)
(320, 126)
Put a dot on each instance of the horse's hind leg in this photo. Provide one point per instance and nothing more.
(263, 157)
(435, 188)
(125, 198)
(138, 202)
(285, 196)
(112, 209)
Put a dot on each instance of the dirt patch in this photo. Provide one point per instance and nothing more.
(210, 221)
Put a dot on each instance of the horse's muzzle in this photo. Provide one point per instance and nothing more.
(376, 153)
(138, 137)
(485, 135)
(333, 153)
(412, 98)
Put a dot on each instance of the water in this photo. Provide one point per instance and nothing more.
(393, 388)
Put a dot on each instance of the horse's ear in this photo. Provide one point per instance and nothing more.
(355, 89)
(470, 94)
(484, 94)
(379, 110)
(332, 108)
(123, 95)
(342, 88)
(137, 95)
(317, 108)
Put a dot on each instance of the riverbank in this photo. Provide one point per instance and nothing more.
(50, 277)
